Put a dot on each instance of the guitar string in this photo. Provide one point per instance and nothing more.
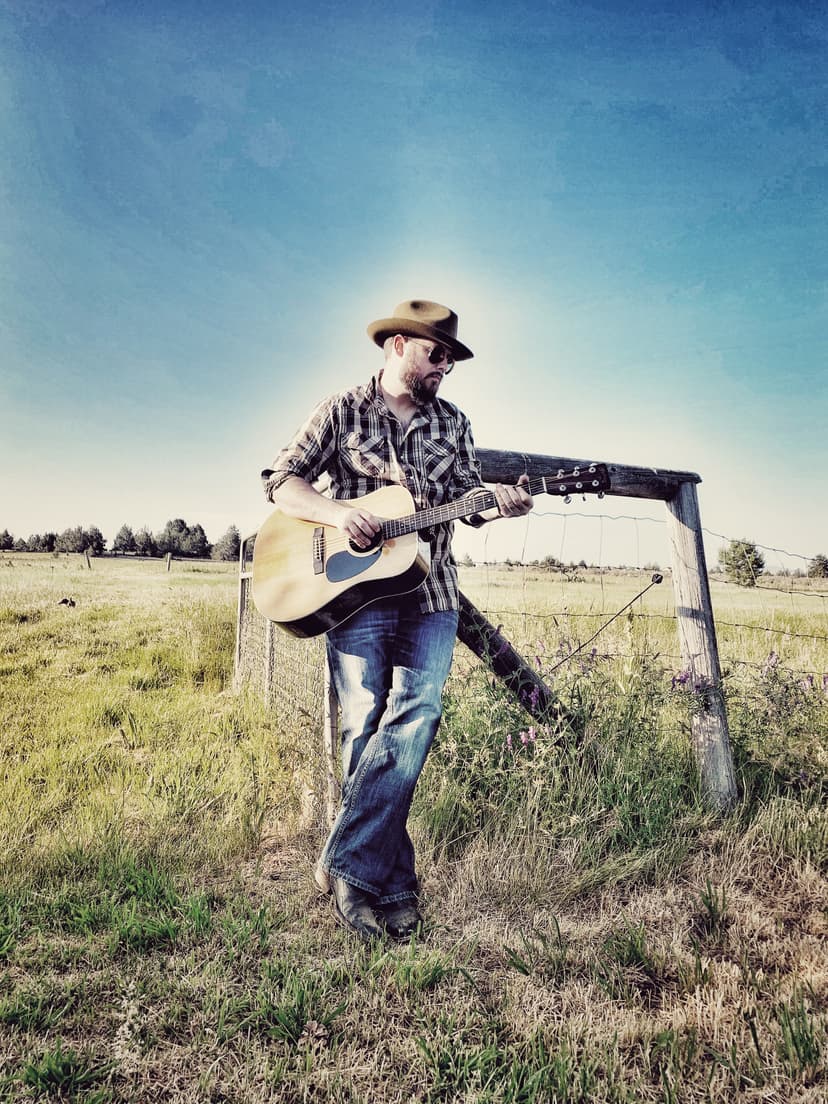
(481, 500)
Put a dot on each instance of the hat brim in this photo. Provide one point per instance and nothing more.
(380, 331)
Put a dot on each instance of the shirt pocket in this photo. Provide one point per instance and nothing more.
(439, 455)
(367, 456)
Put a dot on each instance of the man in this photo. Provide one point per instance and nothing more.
(388, 661)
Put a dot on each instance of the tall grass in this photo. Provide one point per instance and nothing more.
(121, 730)
(593, 933)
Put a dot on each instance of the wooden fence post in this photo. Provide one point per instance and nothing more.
(489, 644)
(700, 653)
(330, 746)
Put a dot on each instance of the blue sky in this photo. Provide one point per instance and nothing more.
(203, 205)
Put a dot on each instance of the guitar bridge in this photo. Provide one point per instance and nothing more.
(319, 550)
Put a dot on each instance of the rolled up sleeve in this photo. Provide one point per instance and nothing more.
(311, 451)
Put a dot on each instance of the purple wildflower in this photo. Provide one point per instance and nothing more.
(680, 678)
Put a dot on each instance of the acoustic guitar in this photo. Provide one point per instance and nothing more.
(309, 578)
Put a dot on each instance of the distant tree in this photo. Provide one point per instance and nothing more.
(227, 546)
(124, 540)
(70, 540)
(818, 567)
(196, 544)
(172, 537)
(145, 544)
(19, 545)
(742, 562)
(78, 539)
(466, 560)
(6, 541)
(93, 539)
(181, 539)
(41, 542)
(551, 563)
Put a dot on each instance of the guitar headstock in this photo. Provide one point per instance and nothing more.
(586, 479)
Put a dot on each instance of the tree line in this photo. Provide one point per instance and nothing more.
(177, 538)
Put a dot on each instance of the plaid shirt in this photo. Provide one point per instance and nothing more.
(357, 441)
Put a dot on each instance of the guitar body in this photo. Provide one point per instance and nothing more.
(308, 579)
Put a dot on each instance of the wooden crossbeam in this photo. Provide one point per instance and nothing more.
(627, 481)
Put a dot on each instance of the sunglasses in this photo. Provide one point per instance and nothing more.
(437, 354)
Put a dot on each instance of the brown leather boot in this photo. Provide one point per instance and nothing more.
(352, 909)
(402, 918)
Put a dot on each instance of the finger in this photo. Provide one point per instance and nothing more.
(504, 498)
(368, 524)
(361, 528)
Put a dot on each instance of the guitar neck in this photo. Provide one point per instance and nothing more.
(593, 479)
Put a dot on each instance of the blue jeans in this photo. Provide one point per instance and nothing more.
(388, 665)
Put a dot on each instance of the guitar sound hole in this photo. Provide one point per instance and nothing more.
(375, 543)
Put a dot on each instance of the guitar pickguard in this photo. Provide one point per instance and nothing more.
(344, 565)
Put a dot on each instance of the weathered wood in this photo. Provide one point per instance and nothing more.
(267, 674)
(330, 747)
(627, 481)
(490, 645)
(700, 653)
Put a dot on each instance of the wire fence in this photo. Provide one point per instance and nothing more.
(807, 596)
(288, 671)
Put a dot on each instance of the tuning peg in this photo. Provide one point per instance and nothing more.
(568, 499)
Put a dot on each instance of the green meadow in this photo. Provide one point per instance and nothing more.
(593, 933)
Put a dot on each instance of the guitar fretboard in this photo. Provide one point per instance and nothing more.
(593, 480)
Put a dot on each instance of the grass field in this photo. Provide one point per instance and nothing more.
(593, 933)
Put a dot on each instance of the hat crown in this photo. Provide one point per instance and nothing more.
(422, 318)
(428, 313)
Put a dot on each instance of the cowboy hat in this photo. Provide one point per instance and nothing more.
(422, 318)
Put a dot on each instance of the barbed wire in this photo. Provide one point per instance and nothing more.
(726, 662)
(562, 615)
(663, 521)
(782, 590)
(637, 519)
(575, 651)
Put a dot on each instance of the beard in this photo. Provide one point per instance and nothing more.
(422, 392)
